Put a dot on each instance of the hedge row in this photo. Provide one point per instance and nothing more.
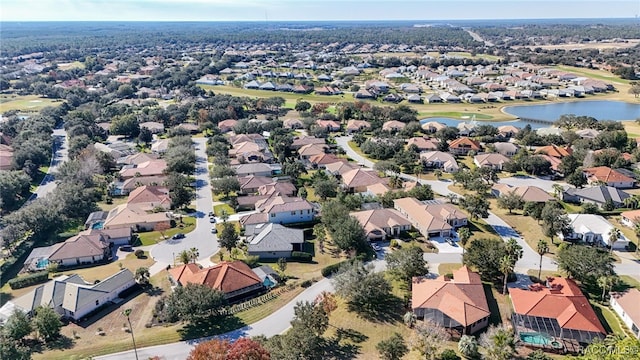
(301, 256)
(32, 279)
(332, 269)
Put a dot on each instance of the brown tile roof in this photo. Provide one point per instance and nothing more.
(225, 276)
(554, 161)
(139, 158)
(528, 193)
(361, 177)
(357, 125)
(423, 143)
(323, 159)
(147, 168)
(492, 159)
(555, 151)
(312, 149)
(562, 301)
(257, 218)
(151, 196)
(278, 188)
(606, 174)
(300, 141)
(253, 182)
(393, 125)
(379, 219)
(465, 142)
(227, 125)
(461, 298)
(633, 215)
(421, 218)
(340, 167)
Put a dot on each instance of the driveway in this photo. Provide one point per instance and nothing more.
(59, 154)
(200, 238)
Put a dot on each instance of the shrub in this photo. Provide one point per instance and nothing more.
(301, 256)
(251, 260)
(449, 354)
(332, 269)
(305, 284)
(32, 279)
(139, 254)
(393, 243)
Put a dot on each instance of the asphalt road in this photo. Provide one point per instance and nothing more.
(60, 154)
(201, 237)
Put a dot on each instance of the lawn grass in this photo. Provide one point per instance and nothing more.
(311, 194)
(153, 237)
(594, 73)
(218, 209)
(356, 148)
(632, 128)
(25, 103)
(448, 268)
(71, 65)
(630, 281)
(114, 202)
(258, 313)
(608, 319)
(457, 115)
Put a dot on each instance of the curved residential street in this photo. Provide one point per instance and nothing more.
(530, 258)
(201, 237)
(59, 154)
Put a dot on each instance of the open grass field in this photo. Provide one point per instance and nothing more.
(71, 65)
(220, 208)
(26, 103)
(628, 43)
(632, 128)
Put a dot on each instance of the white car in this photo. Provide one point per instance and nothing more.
(376, 247)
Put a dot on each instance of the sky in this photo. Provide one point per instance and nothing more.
(308, 10)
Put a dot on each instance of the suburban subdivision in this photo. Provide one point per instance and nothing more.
(320, 189)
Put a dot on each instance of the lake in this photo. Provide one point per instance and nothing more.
(601, 110)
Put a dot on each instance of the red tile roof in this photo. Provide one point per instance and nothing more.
(465, 142)
(562, 301)
(555, 151)
(226, 276)
(606, 174)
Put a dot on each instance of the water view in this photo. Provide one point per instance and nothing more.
(601, 110)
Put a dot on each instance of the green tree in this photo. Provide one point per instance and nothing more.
(184, 256)
(601, 349)
(349, 235)
(47, 323)
(393, 348)
(538, 355)
(302, 106)
(126, 125)
(406, 263)
(17, 325)
(282, 265)
(142, 276)
(584, 263)
(225, 185)
(14, 186)
(180, 191)
(477, 206)
(468, 347)
(326, 188)
(195, 303)
(365, 291)
(613, 237)
(542, 248)
(13, 349)
(576, 178)
(533, 209)
(311, 316)
(606, 282)
(554, 220)
(464, 234)
(484, 255)
(499, 343)
(510, 201)
(228, 237)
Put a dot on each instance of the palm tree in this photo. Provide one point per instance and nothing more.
(464, 234)
(506, 267)
(542, 248)
(127, 313)
(614, 235)
(438, 173)
(224, 215)
(184, 256)
(606, 282)
(453, 198)
(194, 253)
(409, 319)
(468, 347)
(557, 190)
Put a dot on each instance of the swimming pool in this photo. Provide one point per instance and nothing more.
(42, 263)
(534, 338)
(98, 225)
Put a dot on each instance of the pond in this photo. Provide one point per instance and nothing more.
(601, 110)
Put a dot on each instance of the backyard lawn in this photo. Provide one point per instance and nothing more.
(25, 103)
(218, 209)
(153, 237)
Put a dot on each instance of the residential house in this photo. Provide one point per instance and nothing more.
(149, 198)
(593, 229)
(160, 146)
(357, 180)
(123, 188)
(338, 168)
(606, 175)
(147, 168)
(75, 251)
(70, 296)
(423, 143)
(558, 310)
(286, 210)
(278, 187)
(273, 241)
(251, 183)
(432, 99)
(630, 218)
(116, 237)
(319, 161)
(599, 195)
(554, 151)
(508, 131)
(292, 124)
(357, 126)
(464, 145)
(439, 160)
(330, 125)
(492, 160)
(380, 223)
(6, 157)
(235, 279)
(528, 193)
(431, 220)
(625, 304)
(255, 169)
(153, 126)
(137, 158)
(300, 141)
(466, 128)
(133, 217)
(227, 125)
(433, 126)
(310, 150)
(459, 303)
(393, 126)
(506, 148)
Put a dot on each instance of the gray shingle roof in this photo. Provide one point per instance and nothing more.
(275, 237)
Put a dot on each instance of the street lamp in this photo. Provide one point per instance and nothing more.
(126, 313)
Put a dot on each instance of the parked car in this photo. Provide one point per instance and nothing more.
(376, 247)
(126, 248)
(451, 242)
(212, 220)
(214, 230)
(211, 214)
(178, 236)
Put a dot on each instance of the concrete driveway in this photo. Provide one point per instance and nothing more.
(200, 238)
